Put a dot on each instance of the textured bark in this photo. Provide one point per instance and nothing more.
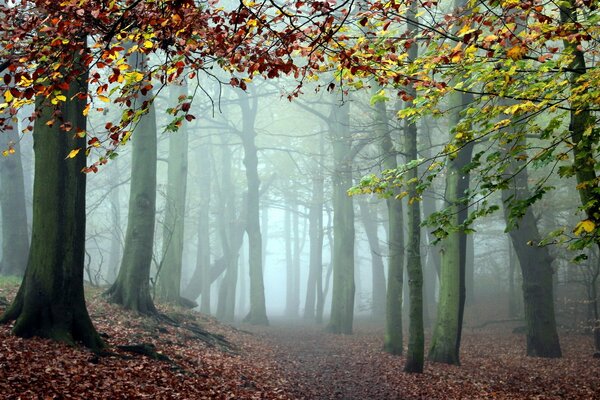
(132, 287)
(258, 311)
(169, 279)
(50, 302)
(342, 302)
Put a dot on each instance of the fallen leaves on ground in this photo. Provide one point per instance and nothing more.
(195, 357)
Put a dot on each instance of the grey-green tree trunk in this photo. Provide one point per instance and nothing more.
(536, 266)
(416, 340)
(393, 315)
(314, 288)
(370, 224)
(132, 287)
(342, 302)
(169, 279)
(15, 235)
(50, 302)
(258, 311)
(203, 253)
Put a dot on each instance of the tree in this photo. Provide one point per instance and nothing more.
(50, 302)
(169, 278)
(132, 287)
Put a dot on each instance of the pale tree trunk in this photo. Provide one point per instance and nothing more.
(203, 255)
(116, 234)
(315, 234)
(342, 302)
(169, 279)
(369, 220)
(15, 235)
(50, 302)
(132, 287)
(258, 311)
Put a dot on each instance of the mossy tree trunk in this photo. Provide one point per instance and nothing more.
(50, 302)
(258, 311)
(169, 279)
(15, 235)
(342, 302)
(132, 287)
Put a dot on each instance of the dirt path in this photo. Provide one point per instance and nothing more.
(319, 365)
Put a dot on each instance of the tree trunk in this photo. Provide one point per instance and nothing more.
(169, 279)
(393, 321)
(369, 220)
(116, 234)
(416, 339)
(132, 287)
(535, 262)
(15, 234)
(50, 302)
(203, 255)
(315, 233)
(342, 302)
(258, 310)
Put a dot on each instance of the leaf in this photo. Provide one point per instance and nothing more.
(586, 226)
(73, 153)
(516, 52)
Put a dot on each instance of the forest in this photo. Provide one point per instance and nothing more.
(278, 199)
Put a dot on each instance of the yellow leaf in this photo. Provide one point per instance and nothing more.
(73, 153)
(586, 225)
(8, 96)
(86, 110)
(148, 44)
(516, 52)
(104, 99)
(58, 98)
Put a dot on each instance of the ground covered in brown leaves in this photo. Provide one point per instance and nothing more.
(194, 357)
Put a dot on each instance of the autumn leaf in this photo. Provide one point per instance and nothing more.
(73, 153)
(516, 52)
(586, 226)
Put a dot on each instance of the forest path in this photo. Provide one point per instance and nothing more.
(321, 365)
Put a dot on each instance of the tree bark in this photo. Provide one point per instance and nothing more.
(342, 302)
(50, 302)
(132, 287)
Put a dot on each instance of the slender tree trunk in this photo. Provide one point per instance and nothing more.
(116, 235)
(416, 340)
(393, 322)
(132, 287)
(369, 220)
(203, 255)
(258, 310)
(342, 303)
(289, 265)
(50, 302)
(315, 234)
(169, 279)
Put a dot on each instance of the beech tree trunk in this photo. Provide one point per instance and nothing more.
(169, 279)
(132, 287)
(342, 302)
(50, 302)
(15, 234)
(258, 311)
(314, 289)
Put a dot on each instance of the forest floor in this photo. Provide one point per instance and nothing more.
(191, 356)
